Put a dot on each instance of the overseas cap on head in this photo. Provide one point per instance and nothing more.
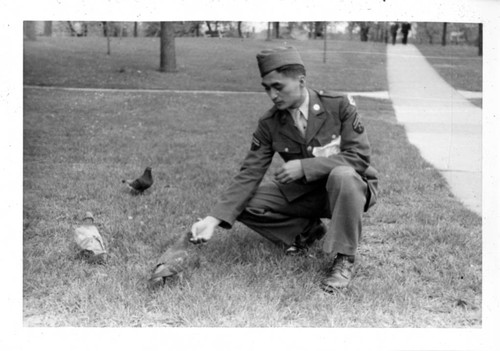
(271, 59)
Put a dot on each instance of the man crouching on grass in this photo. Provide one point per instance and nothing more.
(326, 174)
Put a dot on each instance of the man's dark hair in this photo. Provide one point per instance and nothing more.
(294, 70)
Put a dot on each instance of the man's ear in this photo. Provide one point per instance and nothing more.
(302, 81)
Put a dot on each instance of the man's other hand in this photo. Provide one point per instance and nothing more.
(289, 172)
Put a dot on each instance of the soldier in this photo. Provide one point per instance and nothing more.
(326, 171)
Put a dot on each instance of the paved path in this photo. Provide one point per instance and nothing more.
(439, 121)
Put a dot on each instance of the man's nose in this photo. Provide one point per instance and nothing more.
(272, 93)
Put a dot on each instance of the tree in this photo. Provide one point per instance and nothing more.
(268, 31)
(325, 31)
(480, 40)
(240, 34)
(350, 28)
(29, 30)
(428, 31)
(72, 29)
(106, 32)
(47, 28)
(364, 28)
(167, 47)
(443, 37)
(318, 29)
(209, 26)
(276, 26)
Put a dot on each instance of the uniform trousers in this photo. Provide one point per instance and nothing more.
(342, 200)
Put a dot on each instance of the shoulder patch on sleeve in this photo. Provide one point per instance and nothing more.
(357, 126)
(255, 143)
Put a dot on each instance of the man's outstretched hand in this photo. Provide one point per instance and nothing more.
(204, 229)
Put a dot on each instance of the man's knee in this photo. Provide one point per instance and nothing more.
(344, 179)
(341, 174)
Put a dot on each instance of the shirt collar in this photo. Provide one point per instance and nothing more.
(304, 107)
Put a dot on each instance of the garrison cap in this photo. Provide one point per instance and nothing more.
(271, 59)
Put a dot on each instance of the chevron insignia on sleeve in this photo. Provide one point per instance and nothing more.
(255, 143)
(357, 126)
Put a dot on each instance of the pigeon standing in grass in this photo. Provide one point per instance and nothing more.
(89, 241)
(175, 260)
(142, 183)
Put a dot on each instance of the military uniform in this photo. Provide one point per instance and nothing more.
(339, 186)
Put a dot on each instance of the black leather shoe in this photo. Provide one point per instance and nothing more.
(317, 232)
(340, 274)
(302, 243)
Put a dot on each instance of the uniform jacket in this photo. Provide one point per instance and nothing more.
(330, 115)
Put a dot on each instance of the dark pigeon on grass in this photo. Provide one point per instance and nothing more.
(175, 260)
(142, 183)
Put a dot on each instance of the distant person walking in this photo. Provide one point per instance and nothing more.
(394, 31)
(405, 28)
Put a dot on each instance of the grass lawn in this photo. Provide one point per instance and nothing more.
(203, 64)
(420, 257)
(459, 65)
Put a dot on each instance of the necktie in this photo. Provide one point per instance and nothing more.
(300, 122)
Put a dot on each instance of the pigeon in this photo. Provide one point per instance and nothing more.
(142, 183)
(174, 260)
(89, 241)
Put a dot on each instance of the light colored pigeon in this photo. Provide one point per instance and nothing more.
(89, 241)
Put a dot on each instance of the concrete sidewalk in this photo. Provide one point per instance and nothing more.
(439, 121)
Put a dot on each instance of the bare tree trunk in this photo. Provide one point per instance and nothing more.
(268, 31)
(209, 26)
(47, 28)
(480, 40)
(71, 29)
(318, 29)
(108, 39)
(240, 35)
(324, 41)
(167, 47)
(277, 30)
(30, 30)
(443, 38)
(135, 29)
